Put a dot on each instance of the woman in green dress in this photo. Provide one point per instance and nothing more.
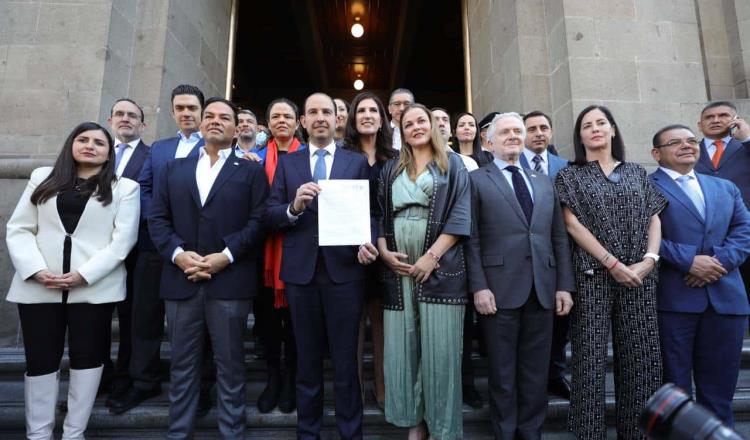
(425, 204)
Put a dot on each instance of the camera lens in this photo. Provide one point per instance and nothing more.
(670, 415)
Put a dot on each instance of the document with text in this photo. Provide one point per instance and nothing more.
(343, 212)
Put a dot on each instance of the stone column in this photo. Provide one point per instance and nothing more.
(62, 63)
(640, 58)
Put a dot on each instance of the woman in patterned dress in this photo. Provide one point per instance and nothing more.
(611, 211)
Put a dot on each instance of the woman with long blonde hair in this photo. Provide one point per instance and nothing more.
(425, 210)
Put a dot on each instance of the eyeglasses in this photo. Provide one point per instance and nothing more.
(693, 142)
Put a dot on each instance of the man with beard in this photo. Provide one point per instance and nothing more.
(246, 131)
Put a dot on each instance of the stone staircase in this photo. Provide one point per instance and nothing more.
(149, 420)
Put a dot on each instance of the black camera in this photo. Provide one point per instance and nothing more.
(670, 415)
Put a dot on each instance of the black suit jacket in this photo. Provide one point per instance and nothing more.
(132, 171)
(733, 166)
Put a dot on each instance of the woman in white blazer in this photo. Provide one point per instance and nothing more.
(68, 238)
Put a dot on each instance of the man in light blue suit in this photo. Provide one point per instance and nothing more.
(538, 156)
(701, 298)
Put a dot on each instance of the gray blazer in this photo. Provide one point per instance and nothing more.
(507, 255)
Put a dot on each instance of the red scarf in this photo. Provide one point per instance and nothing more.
(273, 249)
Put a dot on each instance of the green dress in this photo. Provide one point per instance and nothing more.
(424, 341)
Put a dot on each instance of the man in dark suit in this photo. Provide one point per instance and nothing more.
(701, 299)
(538, 157)
(725, 153)
(324, 285)
(206, 223)
(520, 273)
(126, 122)
(148, 316)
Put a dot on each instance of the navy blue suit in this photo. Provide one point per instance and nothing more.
(231, 217)
(148, 319)
(733, 166)
(555, 164)
(701, 328)
(325, 290)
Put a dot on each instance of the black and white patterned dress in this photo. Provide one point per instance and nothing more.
(617, 211)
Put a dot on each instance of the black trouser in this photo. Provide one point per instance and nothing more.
(44, 326)
(467, 368)
(275, 329)
(148, 328)
(558, 365)
(745, 272)
(118, 371)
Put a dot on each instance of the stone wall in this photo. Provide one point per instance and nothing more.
(651, 62)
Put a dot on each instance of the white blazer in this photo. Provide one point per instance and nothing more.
(100, 243)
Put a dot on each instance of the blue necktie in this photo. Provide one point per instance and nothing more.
(522, 192)
(692, 194)
(118, 154)
(319, 173)
(538, 164)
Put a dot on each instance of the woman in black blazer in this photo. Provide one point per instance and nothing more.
(68, 238)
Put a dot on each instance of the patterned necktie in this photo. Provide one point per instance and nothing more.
(717, 154)
(319, 172)
(692, 194)
(118, 154)
(538, 164)
(522, 192)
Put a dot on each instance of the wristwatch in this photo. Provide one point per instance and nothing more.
(652, 256)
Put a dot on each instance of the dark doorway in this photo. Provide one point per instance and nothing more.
(292, 48)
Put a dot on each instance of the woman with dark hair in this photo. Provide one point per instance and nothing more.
(468, 142)
(68, 238)
(342, 116)
(368, 132)
(611, 211)
(271, 308)
(425, 210)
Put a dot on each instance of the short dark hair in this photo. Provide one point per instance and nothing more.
(286, 101)
(656, 141)
(229, 103)
(112, 110)
(618, 145)
(187, 89)
(400, 90)
(65, 171)
(304, 108)
(442, 110)
(245, 111)
(536, 113)
(715, 104)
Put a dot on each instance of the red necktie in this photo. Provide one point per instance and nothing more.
(717, 154)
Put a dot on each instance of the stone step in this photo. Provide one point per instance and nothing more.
(152, 416)
(13, 363)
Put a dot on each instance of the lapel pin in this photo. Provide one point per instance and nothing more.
(236, 163)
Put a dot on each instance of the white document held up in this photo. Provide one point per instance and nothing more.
(343, 212)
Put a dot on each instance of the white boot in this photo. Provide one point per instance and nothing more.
(81, 395)
(40, 395)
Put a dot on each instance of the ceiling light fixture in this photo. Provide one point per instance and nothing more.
(359, 84)
(357, 29)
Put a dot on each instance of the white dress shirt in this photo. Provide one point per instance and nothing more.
(693, 182)
(396, 136)
(501, 164)
(186, 144)
(530, 158)
(328, 159)
(205, 176)
(125, 154)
